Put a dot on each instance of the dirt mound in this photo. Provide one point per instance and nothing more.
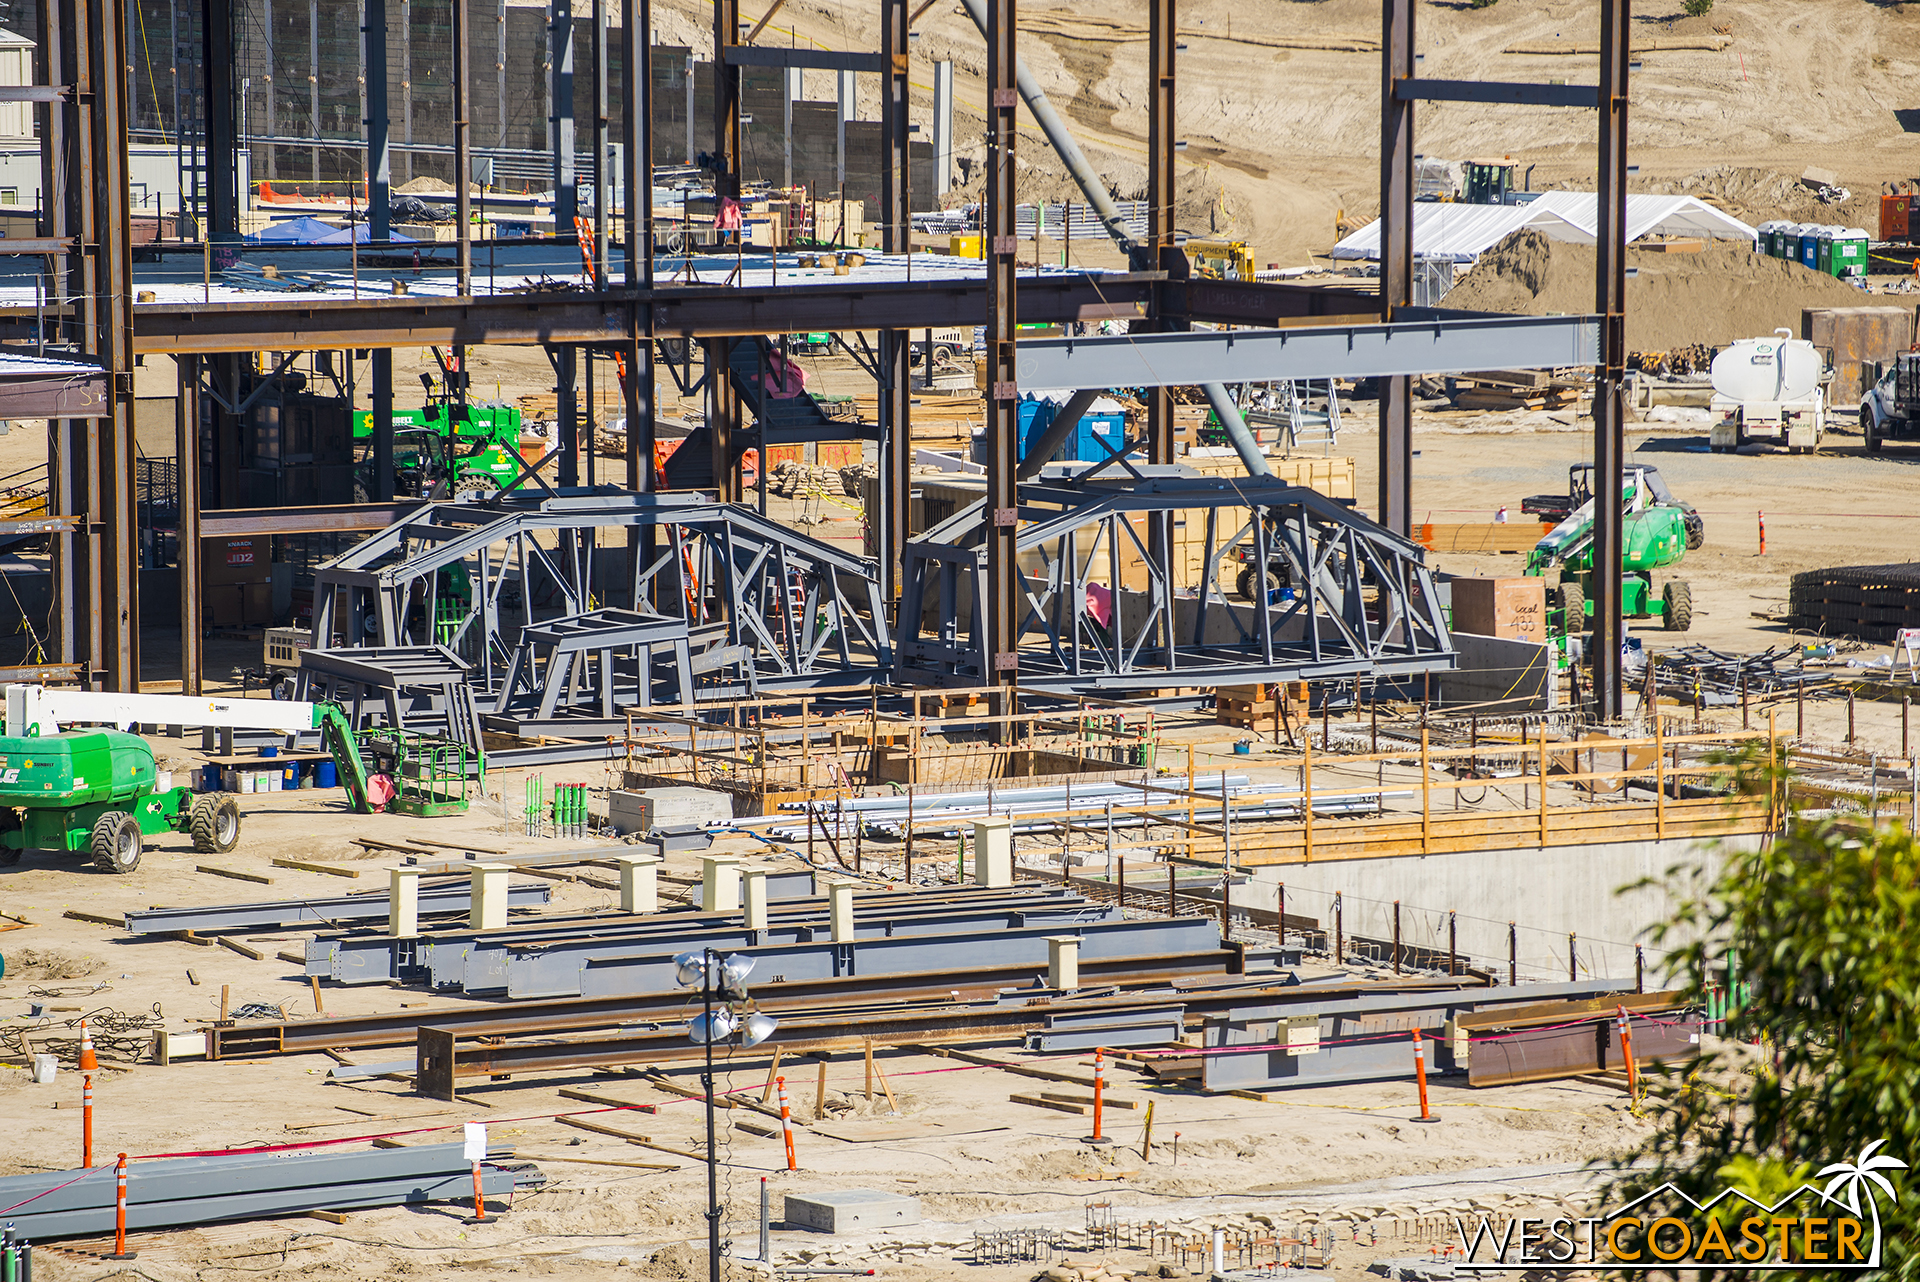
(1723, 293)
(50, 963)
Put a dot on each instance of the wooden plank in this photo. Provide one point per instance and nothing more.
(331, 1217)
(1023, 1070)
(601, 1161)
(643, 1141)
(331, 870)
(288, 955)
(251, 954)
(1107, 1101)
(457, 845)
(260, 879)
(606, 1101)
(74, 914)
(1058, 1106)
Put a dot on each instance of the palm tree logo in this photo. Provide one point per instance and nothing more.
(1863, 1173)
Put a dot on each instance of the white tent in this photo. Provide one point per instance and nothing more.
(1462, 233)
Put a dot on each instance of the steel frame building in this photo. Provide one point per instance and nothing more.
(91, 312)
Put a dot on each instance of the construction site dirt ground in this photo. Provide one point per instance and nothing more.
(1348, 1157)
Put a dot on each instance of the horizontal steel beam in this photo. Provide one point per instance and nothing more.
(1491, 91)
(35, 93)
(450, 898)
(1433, 346)
(1232, 302)
(811, 59)
(81, 394)
(36, 244)
(334, 518)
(41, 672)
(41, 524)
(291, 324)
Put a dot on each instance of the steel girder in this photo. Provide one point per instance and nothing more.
(576, 673)
(799, 611)
(1363, 600)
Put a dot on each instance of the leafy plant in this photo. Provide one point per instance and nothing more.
(1481, 4)
(1695, 8)
(1817, 927)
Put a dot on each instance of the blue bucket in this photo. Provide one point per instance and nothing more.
(269, 752)
(326, 775)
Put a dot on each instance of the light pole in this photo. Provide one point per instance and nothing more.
(710, 971)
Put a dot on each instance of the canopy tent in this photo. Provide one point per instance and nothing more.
(342, 236)
(1461, 233)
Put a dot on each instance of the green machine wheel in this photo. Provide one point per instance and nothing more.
(214, 822)
(116, 842)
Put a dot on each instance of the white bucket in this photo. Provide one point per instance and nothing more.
(249, 781)
(272, 780)
(162, 780)
(44, 1068)
(230, 779)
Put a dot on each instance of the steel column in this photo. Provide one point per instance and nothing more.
(218, 70)
(1396, 259)
(109, 342)
(69, 441)
(186, 436)
(636, 100)
(896, 198)
(462, 153)
(1609, 385)
(723, 403)
(379, 180)
(566, 203)
(1162, 41)
(1003, 594)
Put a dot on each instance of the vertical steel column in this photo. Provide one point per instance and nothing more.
(603, 177)
(792, 90)
(313, 80)
(896, 389)
(463, 151)
(1163, 36)
(943, 126)
(566, 207)
(636, 104)
(1609, 385)
(217, 83)
(186, 438)
(1396, 260)
(69, 441)
(723, 403)
(1003, 593)
(379, 178)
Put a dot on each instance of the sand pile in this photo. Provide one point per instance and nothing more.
(1723, 293)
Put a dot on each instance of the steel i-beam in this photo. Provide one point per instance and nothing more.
(1609, 390)
(1003, 604)
(1396, 259)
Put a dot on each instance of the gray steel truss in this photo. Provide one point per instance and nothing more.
(206, 1190)
(1361, 598)
(1425, 341)
(1361, 1039)
(425, 689)
(472, 572)
(435, 900)
(576, 673)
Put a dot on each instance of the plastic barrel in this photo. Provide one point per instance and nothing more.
(210, 778)
(290, 777)
(326, 775)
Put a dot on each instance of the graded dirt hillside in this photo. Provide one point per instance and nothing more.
(1724, 292)
(1279, 101)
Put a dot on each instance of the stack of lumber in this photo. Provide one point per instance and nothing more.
(1514, 389)
(1254, 707)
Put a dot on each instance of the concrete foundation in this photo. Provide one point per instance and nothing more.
(850, 1211)
(1545, 893)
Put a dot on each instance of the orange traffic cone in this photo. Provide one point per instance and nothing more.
(88, 1063)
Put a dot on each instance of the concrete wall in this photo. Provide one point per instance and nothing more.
(1858, 336)
(1546, 892)
(1500, 675)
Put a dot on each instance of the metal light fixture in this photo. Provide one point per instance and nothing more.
(757, 1028)
(689, 969)
(716, 1027)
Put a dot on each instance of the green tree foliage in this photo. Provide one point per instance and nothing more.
(1825, 926)
(1694, 8)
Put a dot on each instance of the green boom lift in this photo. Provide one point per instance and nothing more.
(92, 791)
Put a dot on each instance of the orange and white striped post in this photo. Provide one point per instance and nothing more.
(86, 1122)
(786, 1124)
(120, 1251)
(1420, 1072)
(1626, 1053)
(1099, 1135)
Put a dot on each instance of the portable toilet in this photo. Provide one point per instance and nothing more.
(1823, 251)
(1810, 245)
(1765, 243)
(1036, 416)
(1788, 241)
(1102, 430)
(1848, 256)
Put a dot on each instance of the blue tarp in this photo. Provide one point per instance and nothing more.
(359, 233)
(295, 231)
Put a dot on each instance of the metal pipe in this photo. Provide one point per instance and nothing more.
(1239, 435)
(1057, 431)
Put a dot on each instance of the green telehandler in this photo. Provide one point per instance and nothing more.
(1653, 536)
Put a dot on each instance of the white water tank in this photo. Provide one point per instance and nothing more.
(1779, 368)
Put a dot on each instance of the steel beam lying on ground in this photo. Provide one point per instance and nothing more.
(1362, 598)
(916, 954)
(1361, 1039)
(207, 1190)
(1565, 1039)
(436, 899)
(1222, 967)
(1439, 342)
(456, 956)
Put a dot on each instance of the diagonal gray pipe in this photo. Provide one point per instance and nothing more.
(1096, 194)
(1057, 432)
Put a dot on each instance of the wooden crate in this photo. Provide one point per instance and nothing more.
(1252, 707)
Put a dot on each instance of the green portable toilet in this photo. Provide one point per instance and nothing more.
(1823, 252)
(1769, 237)
(1849, 253)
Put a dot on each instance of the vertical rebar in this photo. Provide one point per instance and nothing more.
(1849, 716)
(1513, 954)
(1339, 930)
(1573, 957)
(1396, 936)
(1453, 943)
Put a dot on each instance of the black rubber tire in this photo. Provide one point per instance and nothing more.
(116, 843)
(214, 822)
(1243, 583)
(1573, 603)
(9, 822)
(1678, 598)
(1696, 529)
(1870, 428)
